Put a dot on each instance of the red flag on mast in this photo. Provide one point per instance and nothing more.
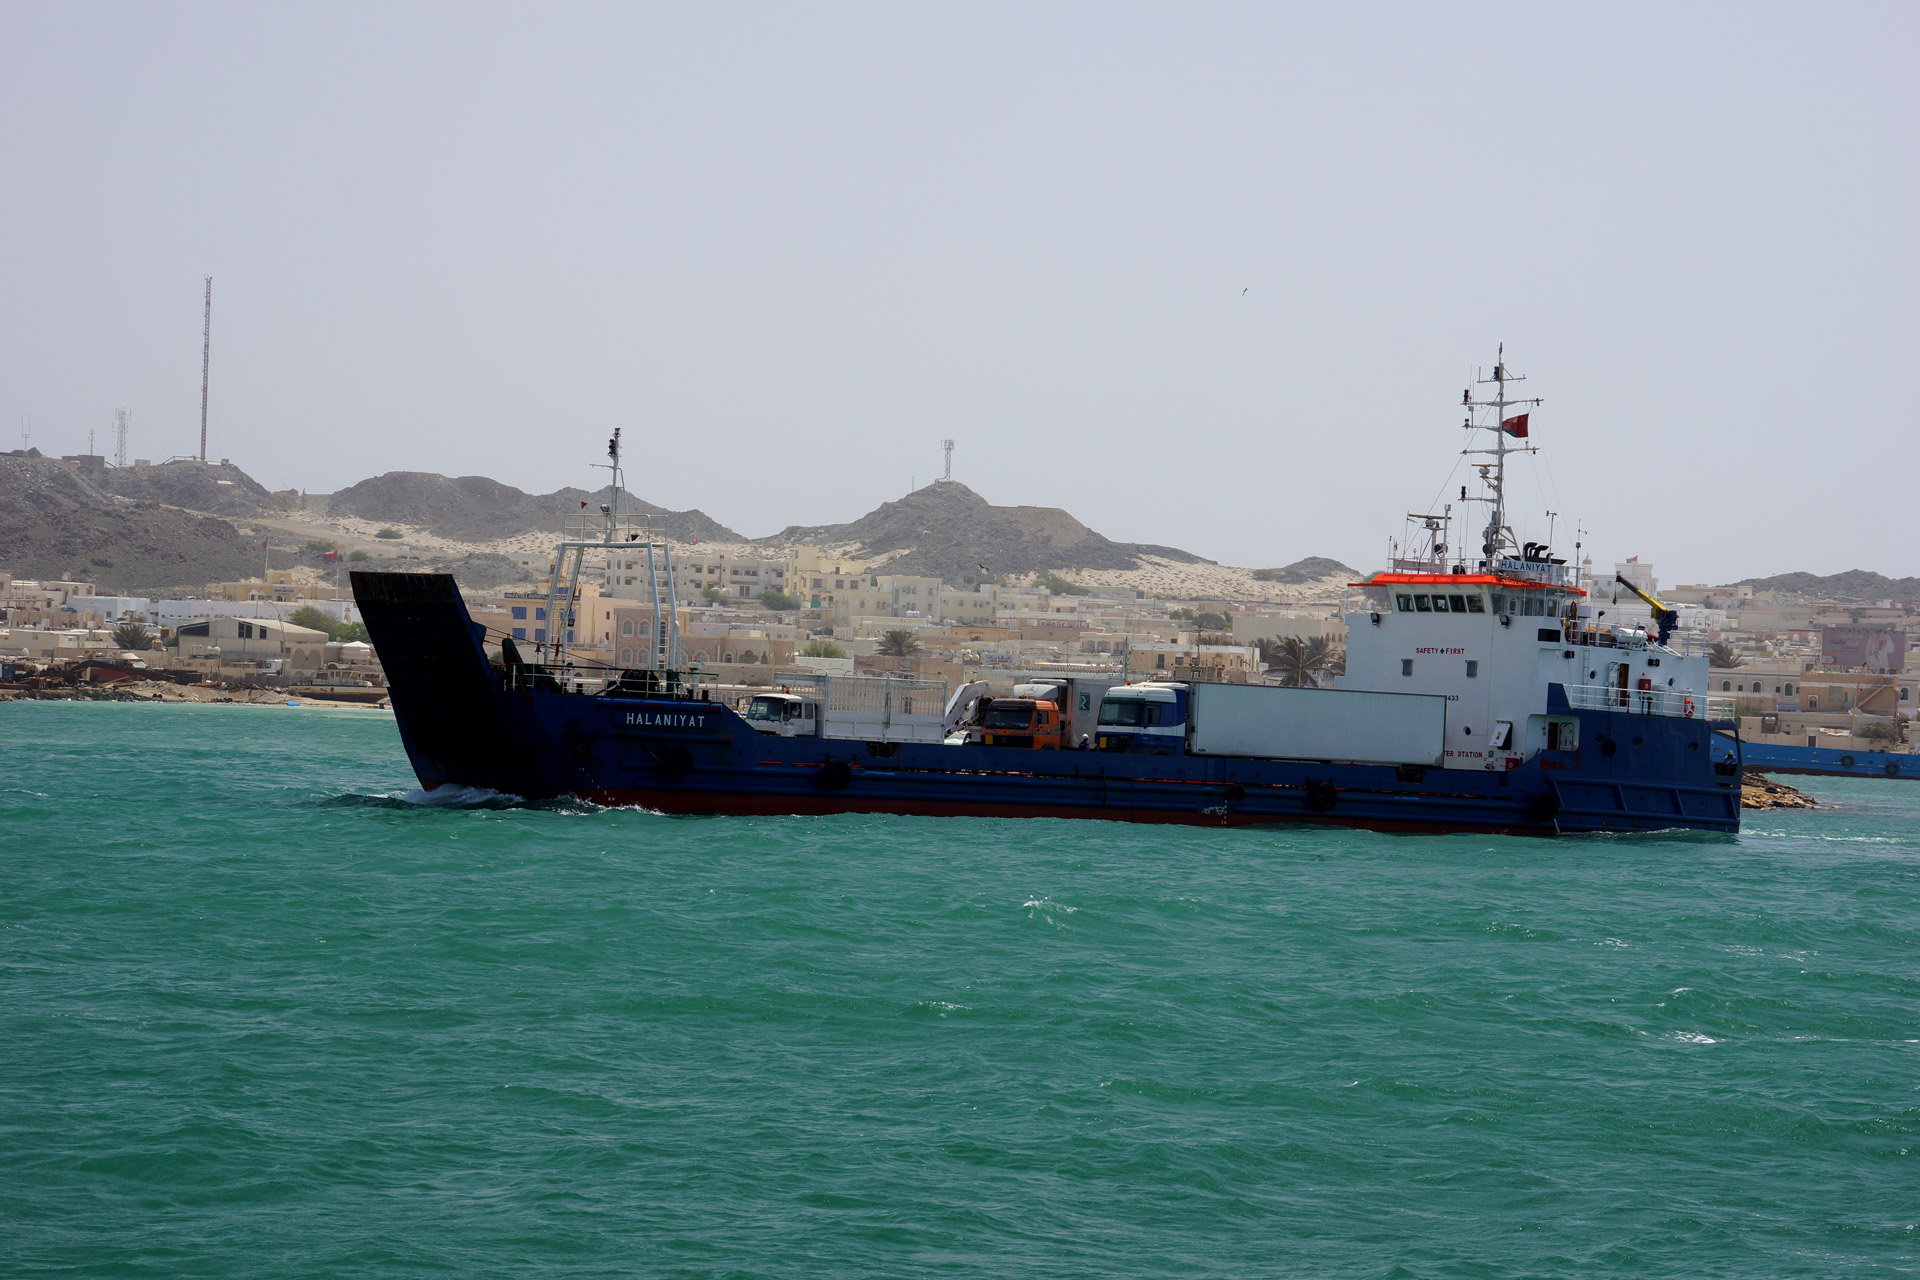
(331, 555)
(1516, 426)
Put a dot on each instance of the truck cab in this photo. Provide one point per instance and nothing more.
(1022, 722)
(1149, 718)
(784, 715)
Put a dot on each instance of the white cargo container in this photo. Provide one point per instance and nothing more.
(1317, 724)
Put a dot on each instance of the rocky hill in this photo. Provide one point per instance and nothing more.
(57, 519)
(218, 488)
(137, 531)
(476, 509)
(1311, 569)
(948, 531)
(1855, 586)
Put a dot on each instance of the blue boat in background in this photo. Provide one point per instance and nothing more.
(1830, 762)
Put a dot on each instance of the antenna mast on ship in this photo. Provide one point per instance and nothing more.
(563, 584)
(1498, 537)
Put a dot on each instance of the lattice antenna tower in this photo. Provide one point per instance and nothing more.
(119, 437)
(947, 447)
(206, 362)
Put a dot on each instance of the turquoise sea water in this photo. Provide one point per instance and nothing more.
(266, 1012)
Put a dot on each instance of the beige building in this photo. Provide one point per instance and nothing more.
(973, 608)
(279, 585)
(696, 571)
(924, 666)
(1251, 628)
(1232, 663)
(262, 642)
(823, 581)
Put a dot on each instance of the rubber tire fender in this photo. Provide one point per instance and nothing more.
(835, 774)
(1891, 769)
(1846, 762)
(676, 762)
(1236, 793)
(1322, 795)
(1544, 807)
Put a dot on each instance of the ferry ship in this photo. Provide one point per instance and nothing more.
(1482, 692)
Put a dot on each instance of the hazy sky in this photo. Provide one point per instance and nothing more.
(1211, 276)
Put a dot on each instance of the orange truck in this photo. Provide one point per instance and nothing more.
(1023, 722)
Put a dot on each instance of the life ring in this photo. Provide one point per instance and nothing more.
(1846, 762)
(1322, 795)
(1688, 709)
(835, 774)
(1892, 769)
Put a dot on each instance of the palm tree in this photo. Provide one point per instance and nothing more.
(133, 634)
(1300, 662)
(1723, 655)
(898, 644)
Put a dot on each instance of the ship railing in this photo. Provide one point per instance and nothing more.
(625, 682)
(1649, 702)
(1681, 644)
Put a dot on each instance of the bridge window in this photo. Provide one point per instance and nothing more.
(1459, 603)
(1476, 603)
(1423, 604)
(1404, 603)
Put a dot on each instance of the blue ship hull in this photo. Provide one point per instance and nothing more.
(468, 723)
(1827, 762)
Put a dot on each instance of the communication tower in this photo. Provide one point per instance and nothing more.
(119, 437)
(206, 361)
(947, 447)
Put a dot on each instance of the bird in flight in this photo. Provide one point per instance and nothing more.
(1243, 292)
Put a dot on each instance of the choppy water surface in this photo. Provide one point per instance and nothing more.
(265, 1012)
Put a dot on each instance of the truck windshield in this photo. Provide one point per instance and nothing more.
(1121, 710)
(1009, 717)
(764, 709)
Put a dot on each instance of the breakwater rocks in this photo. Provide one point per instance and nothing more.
(1757, 791)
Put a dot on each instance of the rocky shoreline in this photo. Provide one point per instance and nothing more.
(1757, 791)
